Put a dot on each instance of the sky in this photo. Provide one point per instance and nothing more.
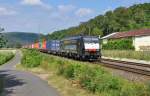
(46, 16)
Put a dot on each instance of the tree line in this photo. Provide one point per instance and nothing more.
(121, 19)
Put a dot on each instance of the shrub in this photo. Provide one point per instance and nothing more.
(120, 44)
(60, 68)
(69, 71)
(31, 58)
(5, 56)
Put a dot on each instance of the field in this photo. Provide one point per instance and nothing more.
(74, 78)
(129, 54)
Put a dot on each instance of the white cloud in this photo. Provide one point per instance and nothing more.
(36, 3)
(83, 12)
(66, 8)
(5, 11)
(32, 2)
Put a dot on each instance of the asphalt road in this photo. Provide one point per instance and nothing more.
(18, 83)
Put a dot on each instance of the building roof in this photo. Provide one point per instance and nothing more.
(107, 36)
(133, 33)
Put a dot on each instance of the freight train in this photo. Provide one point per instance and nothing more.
(77, 47)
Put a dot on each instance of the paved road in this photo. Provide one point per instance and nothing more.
(18, 83)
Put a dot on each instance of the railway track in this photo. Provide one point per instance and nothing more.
(139, 68)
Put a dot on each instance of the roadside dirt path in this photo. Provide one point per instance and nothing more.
(19, 83)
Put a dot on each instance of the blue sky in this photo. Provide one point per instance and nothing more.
(46, 16)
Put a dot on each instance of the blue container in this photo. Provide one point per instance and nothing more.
(53, 45)
(48, 45)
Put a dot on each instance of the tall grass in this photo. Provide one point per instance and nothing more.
(5, 56)
(139, 55)
(93, 78)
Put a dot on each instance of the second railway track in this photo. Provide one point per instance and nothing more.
(138, 68)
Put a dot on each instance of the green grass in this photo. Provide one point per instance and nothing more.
(92, 78)
(129, 54)
(5, 56)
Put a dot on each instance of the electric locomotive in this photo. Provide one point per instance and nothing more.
(81, 47)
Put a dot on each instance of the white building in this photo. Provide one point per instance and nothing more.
(141, 38)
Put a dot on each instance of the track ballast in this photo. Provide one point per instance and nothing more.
(139, 68)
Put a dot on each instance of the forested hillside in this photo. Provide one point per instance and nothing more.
(121, 19)
(16, 39)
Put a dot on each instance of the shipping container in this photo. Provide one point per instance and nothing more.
(36, 45)
(48, 45)
(44, 44)
(40, 44)
(53, 46)
(32, 46)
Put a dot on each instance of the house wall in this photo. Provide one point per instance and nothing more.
(105, 41)
(142, 43)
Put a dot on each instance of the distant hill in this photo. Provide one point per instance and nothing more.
(120, 19)
(16, 39)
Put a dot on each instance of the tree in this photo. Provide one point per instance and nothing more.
(96, 32)
(18, 45)
(3, 41)
(121, 19)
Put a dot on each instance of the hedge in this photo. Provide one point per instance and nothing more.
(119, 44)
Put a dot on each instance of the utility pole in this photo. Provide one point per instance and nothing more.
(89, 29)
(39, 30)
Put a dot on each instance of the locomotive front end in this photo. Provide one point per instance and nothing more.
(91, 48)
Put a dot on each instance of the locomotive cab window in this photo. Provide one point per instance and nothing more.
(90, 40)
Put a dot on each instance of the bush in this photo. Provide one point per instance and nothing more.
(69, 71)
(60, 68)
(120, 44)
(31, 58)
(5, 56)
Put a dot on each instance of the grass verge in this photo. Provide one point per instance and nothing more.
(5, 56)
(129, 54)
(73, 78)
